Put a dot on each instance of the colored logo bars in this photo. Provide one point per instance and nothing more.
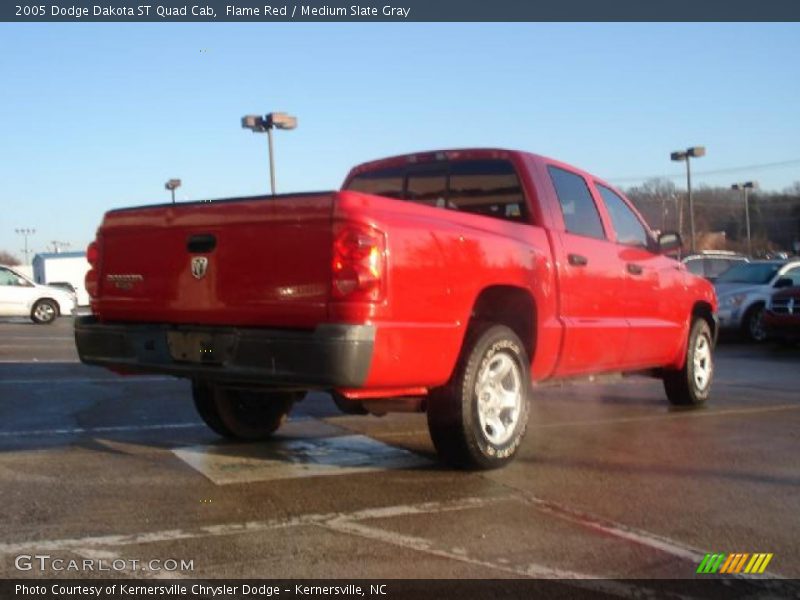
(734, 563)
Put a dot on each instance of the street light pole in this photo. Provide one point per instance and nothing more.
(25, 232)
(745, 187)
(259, 124)
(271, 161)
(684, 156)
(172, 185)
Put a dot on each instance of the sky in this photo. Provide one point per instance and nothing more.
(95, 116)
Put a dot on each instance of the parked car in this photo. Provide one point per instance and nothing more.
(782, 316)
(443, 282)
(712, 263)
(21, 297)
(743, 292)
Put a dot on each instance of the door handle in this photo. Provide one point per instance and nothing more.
(634, 269)
(576, 260)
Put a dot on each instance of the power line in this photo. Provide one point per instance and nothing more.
(785, 163)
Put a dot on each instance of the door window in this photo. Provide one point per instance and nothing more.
(577, 206)
(628, 227)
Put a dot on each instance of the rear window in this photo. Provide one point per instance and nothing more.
(484, 187)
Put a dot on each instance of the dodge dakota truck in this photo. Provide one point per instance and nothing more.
(447, 282)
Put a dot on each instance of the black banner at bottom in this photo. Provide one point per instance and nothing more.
(394, 589)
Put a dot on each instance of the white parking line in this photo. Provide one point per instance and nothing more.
(529, 570)
(208, 531)
(27, 361)
(82, 380)
(92, 430)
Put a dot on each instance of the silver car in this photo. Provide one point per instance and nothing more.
(21, 297)
(743, 291)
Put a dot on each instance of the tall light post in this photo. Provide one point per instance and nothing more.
(172, 185)
(26, 232)
(744, 187)
(259, 124)
(684, 156)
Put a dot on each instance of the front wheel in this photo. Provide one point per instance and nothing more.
(691, 385)
(478, 420)
(753, 324)
(44, 312)
(242, 414)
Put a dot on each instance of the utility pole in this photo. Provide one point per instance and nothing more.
(26, 232)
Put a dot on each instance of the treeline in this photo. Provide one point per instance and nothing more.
(719, 215)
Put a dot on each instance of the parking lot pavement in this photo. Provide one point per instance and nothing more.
(610, 481)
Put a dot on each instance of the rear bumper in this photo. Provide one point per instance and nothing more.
(330, 356)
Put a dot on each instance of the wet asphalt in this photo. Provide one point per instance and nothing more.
(610, 481)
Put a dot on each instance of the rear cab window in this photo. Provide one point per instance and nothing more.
(488, 187)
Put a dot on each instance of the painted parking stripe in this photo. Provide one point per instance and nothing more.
(297, 458)
(246, 527)
(93, 430)
(83, 380)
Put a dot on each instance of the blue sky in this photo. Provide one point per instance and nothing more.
(96, 116)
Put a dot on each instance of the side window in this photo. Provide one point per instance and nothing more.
(8, 278)
(384, 182)
(794, 275)
(628, 227)
(717, 266)
(577, 206)
(695, 266)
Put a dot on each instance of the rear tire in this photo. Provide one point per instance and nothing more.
(478, 420)
(44, 312)
(242, 414)
(691, 386)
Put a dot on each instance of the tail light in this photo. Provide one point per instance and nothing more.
(359, 263)
(93, 257)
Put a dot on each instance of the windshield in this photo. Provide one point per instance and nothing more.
(755, 273)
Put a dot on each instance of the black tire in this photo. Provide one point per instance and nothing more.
(753, 324)
(690, 386)
(458, 427)
(44, 311)
(242, 414)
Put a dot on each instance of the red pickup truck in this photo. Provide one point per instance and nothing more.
(444, 282)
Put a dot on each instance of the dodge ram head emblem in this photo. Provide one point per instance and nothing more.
(199, 266)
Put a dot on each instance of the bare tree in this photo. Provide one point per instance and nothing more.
(6, 258)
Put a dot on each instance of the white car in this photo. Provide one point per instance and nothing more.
(21, 297)
(744, 289)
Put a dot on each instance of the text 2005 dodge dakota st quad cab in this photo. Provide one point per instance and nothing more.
(444, 282)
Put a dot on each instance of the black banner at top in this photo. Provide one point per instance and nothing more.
(267, 11)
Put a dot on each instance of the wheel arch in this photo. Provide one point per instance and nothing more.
(704, 310)
(509, 305)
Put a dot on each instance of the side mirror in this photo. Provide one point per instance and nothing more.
(669, 241)
(784, 282)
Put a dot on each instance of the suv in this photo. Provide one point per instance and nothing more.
(743, 292)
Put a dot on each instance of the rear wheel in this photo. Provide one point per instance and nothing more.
(242, 414)
(44, 312)
(691, 385)
(478, 420)
(753, 324)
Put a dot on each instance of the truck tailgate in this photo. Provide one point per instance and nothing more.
(252, 261)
